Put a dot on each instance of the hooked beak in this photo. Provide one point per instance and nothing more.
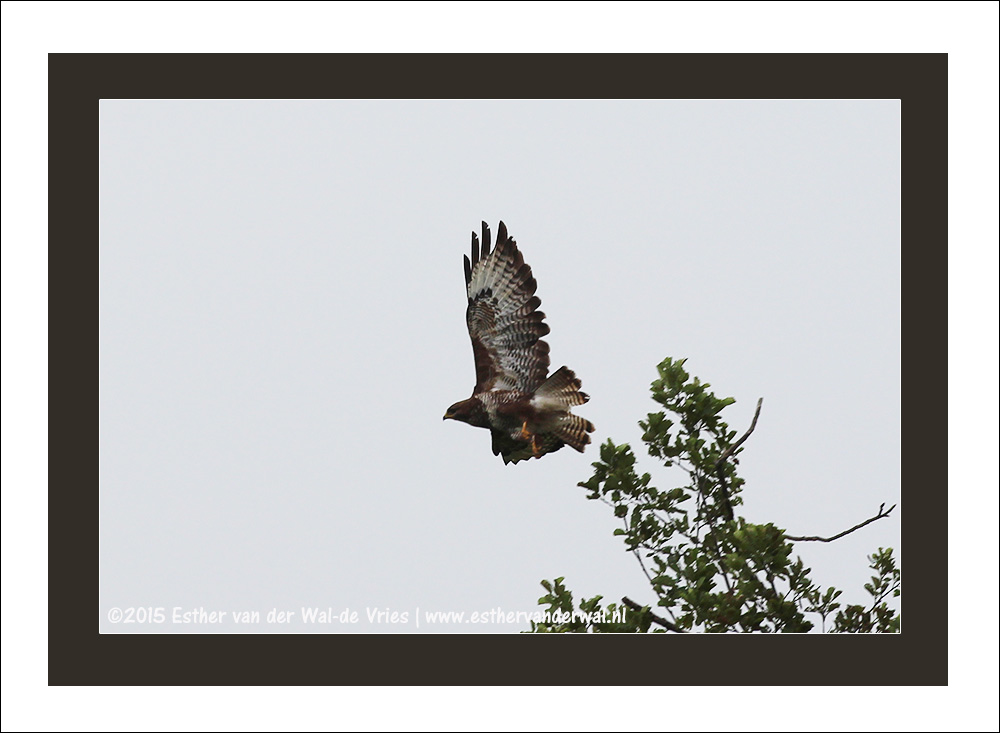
(447, 415)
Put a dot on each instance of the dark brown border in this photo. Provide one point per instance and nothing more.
(79, 655)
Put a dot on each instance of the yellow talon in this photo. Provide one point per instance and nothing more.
(526, 434)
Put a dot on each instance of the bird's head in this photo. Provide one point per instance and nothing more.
(468, 411)
(458, 411)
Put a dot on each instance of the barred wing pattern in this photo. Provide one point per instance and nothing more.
(504, 322)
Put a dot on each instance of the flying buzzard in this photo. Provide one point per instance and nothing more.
(525, 409)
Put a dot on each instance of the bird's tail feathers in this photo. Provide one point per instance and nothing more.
(573, 431)
(563, 388)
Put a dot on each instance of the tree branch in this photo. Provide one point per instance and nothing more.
(726, 505)
(882, 514)
(738, 443)
(642, 565)
(658, 619)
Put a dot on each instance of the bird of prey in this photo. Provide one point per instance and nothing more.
(526, 410)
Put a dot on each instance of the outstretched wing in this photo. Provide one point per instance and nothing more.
(503, 317)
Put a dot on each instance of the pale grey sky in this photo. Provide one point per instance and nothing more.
(282, 326)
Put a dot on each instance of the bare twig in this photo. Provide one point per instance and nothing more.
(738, 443)
(882, 514)
(648, 576)
(642, 565)
(658, 619)
(726, 505)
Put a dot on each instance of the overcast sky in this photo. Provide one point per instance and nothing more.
(282, 327)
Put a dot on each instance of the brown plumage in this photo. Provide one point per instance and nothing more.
(526, 410)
